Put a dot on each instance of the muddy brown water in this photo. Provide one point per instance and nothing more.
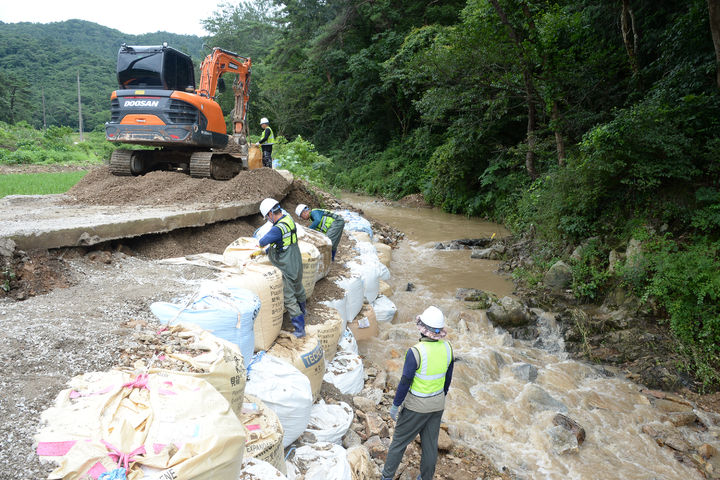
(492, 408)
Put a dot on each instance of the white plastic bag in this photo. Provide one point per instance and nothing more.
(346, 373)
(319, 461)
(285, 390)
(384, 308)
(328, 423)
(256, 469)
(351, 303)
(348, 343)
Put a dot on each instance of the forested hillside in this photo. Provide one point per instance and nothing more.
(37, 58)
(589, 123)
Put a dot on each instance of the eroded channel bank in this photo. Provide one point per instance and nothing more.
(507, 392)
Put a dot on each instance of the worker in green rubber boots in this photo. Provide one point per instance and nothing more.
(325, 221)
(284, 253)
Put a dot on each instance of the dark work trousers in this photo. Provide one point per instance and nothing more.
(267, 156)
(409, 424)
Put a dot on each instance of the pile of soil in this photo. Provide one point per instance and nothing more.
(24, 275)
(100, 187)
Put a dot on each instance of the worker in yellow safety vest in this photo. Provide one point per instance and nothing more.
(284, 253)
(266, 142)
(325, 221)
(425, 382)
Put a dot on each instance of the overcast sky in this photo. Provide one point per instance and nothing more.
(128, 16)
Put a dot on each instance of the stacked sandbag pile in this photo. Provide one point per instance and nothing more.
(264, 433)
(191, 351)
(267, 283)
(226, 311)
(158, 425)
(306, 354)
(324, 246)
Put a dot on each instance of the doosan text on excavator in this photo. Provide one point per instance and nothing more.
(157, 105)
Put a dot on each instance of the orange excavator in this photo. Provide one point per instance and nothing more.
(157, 105)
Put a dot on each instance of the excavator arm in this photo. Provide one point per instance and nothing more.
(213, 67)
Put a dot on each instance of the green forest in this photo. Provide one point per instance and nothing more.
(587, 123)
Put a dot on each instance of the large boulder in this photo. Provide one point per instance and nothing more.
(508, 313)
(559, 276)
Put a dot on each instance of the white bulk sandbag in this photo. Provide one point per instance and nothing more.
(310, 258)
(354, 222)
(364, 326)
(384, 309)
(346, 373)
(351, 303)
(366, 248)
(238, 252)
(176, 426)
(360, 236)
(256, 469)
(384, 253)
(328, 423)
(267, 283)
(305, 353)
(264, 432)
(324, 246)
(285, 390)
(319, 461)
(347, 343)
(219, 362)
(370, 275)
(263, 230)
(228, 312)
(328, 331)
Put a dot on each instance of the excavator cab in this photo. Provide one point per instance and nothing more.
(154, 67)
(157, 105)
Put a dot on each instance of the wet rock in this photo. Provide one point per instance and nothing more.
(614, 258)
(571, 425)
(374, 425)
(669, 406)
(351, 439)
(706, 451)
(464, 244)
(541, 400)
(508, 313)
(7, 247)
(100, 257)
(445, 443)
(410, 287)
(525, 372)
(377, 447)
(380, 381)
(558, 277)
(364, 404)
(373, 394)
(563, 441)
(479, 298)
(683, 419)
(491, 253)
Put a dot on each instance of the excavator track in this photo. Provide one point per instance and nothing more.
(201, 165)
(122, 163)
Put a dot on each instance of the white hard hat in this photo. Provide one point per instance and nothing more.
(433, 317)
(264, 120)
(299, 209)
(267, 205)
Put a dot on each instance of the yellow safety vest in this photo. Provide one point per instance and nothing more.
(435, 358)
(289, 232)
(327, 219)
(271, 137)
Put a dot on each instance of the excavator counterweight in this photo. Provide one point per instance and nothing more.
(157, 105)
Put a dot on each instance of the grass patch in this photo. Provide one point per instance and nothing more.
(38, 183)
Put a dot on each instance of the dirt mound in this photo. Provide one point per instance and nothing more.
(100, 187)
(24, 275)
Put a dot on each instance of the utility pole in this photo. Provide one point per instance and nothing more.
(43, 99)
(80, 122)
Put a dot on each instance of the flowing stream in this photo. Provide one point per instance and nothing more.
(492, 406)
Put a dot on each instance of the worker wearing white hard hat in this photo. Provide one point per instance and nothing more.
(421, 392)
(266, 142)
(284, 253)
(325, 221)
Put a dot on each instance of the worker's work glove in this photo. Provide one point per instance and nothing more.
(257, 253)
(393, 412)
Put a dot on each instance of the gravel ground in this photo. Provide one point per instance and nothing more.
(67, 332)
